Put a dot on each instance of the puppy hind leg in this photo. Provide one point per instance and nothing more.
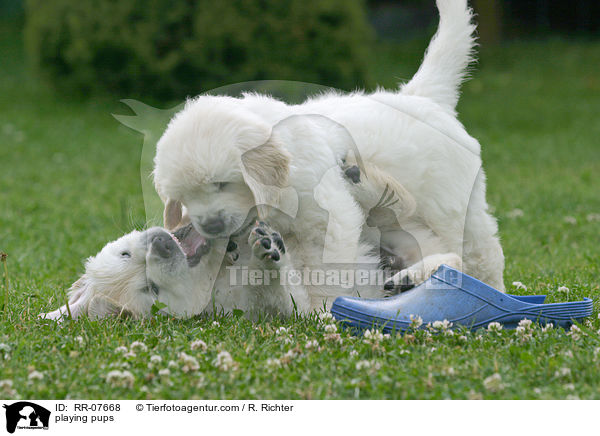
(419, 272)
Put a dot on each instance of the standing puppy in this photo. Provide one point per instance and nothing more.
(225, 159)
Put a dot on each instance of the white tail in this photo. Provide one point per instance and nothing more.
(446, 60)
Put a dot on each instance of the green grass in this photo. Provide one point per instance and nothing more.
(69, 182)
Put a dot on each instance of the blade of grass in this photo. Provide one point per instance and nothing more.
(3, 257)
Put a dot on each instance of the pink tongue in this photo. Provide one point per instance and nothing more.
(192, 242)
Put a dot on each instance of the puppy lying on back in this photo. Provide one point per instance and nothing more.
(130, 274)
(180, 270)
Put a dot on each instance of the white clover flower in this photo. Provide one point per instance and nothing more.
(165, 372)
(130, 354)
(6, 388)
(493, 383)
(333, 337)
(121, 350)
(415, 321)
(353, 353)
(281, 331)
(311, 345)
(525, 323)
(548, 326)
(519, 285)
(138, 347)
(515, 213)
(494, 327)
(372, 336)
(189, 362)
(199, 344)
(79, 340)
(154, 361)
(224, 361)
(441, 325)
(462, 338)
(569, 387)
(448, 371)
(593, 217)
(172, 364)
(575, 332)
(363, 364)
(288, 356)
(570, 220)
(472, 395)
(273, 363)
(113, 375)
(118, 378)
(128, 378)
(524, 332)
(563, 372)
(216, 324)
(325, 316)
(330, 328)
(563, 289)
(368, 364)
(35, 375)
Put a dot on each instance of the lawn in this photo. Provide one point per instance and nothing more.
(69, 182)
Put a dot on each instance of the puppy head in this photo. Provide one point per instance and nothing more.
(130, 274)
(218, 161)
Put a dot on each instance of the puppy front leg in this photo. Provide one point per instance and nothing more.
(269, 288)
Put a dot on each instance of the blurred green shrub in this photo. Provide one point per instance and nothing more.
(170, 49)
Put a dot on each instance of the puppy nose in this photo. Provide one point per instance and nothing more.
(163, 245)
(213, 225)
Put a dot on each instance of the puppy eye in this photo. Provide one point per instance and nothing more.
(221, 185)
(125, 254)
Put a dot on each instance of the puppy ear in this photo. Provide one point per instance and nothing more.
(172, 214)
(77, 305)
(265, 170)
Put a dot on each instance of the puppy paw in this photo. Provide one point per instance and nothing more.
(233, 251)
(398, 283)
(352, 173)
(266, 243)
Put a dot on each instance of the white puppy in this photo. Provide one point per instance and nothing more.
(220, 157)
(130, 274)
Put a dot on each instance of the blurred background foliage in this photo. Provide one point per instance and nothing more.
(172, 49)
(166, 50)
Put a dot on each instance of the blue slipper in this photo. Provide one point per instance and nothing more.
(461, 299)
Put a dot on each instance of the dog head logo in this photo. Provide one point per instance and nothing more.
(26, 415)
